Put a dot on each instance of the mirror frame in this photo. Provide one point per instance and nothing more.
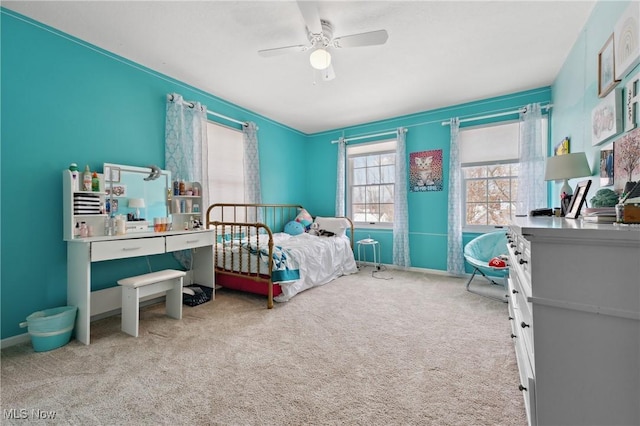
(112, 174)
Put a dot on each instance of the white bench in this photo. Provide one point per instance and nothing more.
(135, 288)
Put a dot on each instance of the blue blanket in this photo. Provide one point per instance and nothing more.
(285, 267)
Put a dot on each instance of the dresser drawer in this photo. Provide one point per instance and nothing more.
(118, 249)
(189, 241)
(527, 381)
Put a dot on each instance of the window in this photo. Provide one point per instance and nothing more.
(371, 182)
(490, 194)
(489, 163)
(226, 164)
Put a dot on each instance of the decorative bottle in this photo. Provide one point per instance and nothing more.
(95, 182)
(75, 177)
(86, 179)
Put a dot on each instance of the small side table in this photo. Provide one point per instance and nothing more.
(375, 245)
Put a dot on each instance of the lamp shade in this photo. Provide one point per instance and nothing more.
(320, 59)
(136, 203)
(567, 166)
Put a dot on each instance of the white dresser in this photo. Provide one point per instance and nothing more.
(574, 308)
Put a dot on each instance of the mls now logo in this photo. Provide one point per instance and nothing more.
(15, 413)
(23, 414)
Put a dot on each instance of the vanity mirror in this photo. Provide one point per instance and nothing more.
(140, 193)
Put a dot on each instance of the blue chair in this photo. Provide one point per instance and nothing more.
(479, 251)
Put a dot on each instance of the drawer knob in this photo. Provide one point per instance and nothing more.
(510, 318)
(512, 245)
(517, 252)
(514, 291)
(513, 336)
(522, 261)
(524, 324)
(522, 388)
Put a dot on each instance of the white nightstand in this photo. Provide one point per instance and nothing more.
(375, 246)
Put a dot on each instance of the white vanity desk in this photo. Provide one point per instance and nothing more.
(81, 252)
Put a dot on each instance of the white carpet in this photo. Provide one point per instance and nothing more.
(416, 349)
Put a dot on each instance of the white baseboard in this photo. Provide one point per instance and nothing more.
(104, 304)
(14, 340)
(411, 268)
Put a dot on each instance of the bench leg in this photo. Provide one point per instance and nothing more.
(130, 311)
(174, 300)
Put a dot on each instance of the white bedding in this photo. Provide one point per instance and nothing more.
(319, 259)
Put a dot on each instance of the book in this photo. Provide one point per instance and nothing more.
(599, 218)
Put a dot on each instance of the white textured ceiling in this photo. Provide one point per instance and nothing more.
(439, 53)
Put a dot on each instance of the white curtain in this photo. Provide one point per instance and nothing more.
(186, 149)
(532, 189)
(401, 255)
(455, 257)
(340, 178)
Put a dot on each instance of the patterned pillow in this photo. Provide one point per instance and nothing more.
(304, 218)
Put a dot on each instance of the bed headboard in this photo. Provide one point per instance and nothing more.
(274, 216)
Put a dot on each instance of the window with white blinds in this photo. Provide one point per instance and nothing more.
(489, 159)
(226, 164)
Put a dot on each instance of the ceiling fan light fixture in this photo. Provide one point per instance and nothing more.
(320, 59)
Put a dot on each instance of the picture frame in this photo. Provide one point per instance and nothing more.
(577, 201)
(111, 174)
(606, 118)
(116, 190)
(607, 162)
(627, 40)
(606, 68)
(562, 147)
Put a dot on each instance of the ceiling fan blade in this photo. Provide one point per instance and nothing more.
(328, 74)
(309, 10)
(282, 50)
(371, 38)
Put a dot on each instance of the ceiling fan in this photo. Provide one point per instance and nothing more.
(320, 35)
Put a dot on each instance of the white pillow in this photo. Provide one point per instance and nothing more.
(337, 225)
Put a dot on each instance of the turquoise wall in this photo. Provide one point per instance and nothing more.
(428, 213)
(66, 101)
(575, 90)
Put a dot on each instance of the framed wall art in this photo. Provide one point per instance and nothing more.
(627, 159)
(606, 68)
(606, 118)
(627, 40)
(562, 148)
(425, 171)
(607, 165)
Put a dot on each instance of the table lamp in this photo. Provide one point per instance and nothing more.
(565, 167)
(136, 203)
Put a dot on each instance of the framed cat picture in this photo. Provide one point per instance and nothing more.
(425, 171)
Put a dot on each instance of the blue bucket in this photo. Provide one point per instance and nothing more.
(51, 328)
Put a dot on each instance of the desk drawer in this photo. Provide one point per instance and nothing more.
(119, 249)
(189, 241)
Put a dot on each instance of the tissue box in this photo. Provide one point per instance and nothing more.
(137, 226)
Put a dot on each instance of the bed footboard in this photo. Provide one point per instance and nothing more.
(243, 235)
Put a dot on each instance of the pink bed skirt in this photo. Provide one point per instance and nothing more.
(246, 284)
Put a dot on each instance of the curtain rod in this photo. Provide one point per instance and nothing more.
(355, 138)
(499, 114)
(191, 105)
